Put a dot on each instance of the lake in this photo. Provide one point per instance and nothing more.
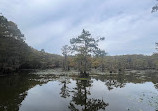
(48, 92)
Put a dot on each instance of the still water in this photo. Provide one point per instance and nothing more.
(120, 92)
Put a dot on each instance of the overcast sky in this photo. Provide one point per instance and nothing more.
(128, 26)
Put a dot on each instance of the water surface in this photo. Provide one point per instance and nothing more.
(121, 92)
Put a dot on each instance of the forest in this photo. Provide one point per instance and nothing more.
(72, 55)
(16, 55)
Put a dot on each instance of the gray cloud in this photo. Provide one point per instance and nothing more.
(128, 26)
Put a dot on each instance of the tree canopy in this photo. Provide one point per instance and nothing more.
(10, 29)
(84, 46)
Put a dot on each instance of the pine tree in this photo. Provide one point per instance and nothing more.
(84, 46)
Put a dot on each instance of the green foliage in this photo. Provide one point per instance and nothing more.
(10, 29)
(84, 46)
(137, 62)
(15, 53)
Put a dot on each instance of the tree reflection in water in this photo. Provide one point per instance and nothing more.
(80, 101)
(77, 94)
(65, 89)
(120, 80)
(115, 82)
(14, 90)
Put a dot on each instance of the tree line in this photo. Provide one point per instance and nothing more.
(83, 54)
(114, 64)
(15, 54)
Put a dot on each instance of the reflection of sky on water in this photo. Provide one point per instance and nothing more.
(47, 97)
